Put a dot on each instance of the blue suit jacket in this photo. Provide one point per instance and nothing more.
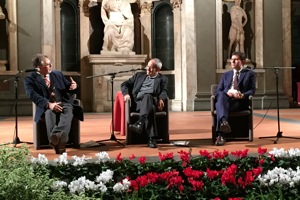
(39, 93)
(247, 82)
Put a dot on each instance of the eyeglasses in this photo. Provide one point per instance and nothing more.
(48, 64)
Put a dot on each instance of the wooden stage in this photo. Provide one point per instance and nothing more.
(184, 126)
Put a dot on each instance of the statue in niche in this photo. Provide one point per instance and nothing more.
(119, 28)
(236, 33)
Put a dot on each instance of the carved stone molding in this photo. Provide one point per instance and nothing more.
(176, 4)
(83, 6)
(57, 3)
(146, 7)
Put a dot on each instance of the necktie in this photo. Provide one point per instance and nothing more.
(47, 80)
(236, 81)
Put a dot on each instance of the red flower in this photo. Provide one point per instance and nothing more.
(132, 157)
(211, 174)
(261, 151)
(166, 156)
(142, 181)
(142, 160)
(261, 161)
(229, 175)
(195, 174)
(219, 154)
(152, 177)
(134, 185)
(197, 185)
(118, 158)
(257, 171)
(205, 153)
(240, 154)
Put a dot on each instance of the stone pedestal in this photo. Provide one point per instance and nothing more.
(102, 68)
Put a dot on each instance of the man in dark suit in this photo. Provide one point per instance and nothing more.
(232, 93)
(52, 94)
(149, 91)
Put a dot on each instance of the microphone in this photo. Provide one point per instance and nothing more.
(30, 70)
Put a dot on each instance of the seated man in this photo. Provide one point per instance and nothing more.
(233, 93)
(50, 91)
(149, 90)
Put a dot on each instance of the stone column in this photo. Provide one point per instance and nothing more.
(177, 102)
(146, 37)
(259, 28)
(287, 50)
(189, 56)
(12, 35)
(219, 35)
(85, 68)
(57, 5)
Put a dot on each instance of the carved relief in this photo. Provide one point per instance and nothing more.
(57, 3)
(83, 6)
(176, 4)
(146, 7)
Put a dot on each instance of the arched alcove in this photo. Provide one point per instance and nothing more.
(69, 36)
(163, 34)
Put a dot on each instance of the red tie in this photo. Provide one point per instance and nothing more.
(47, 80)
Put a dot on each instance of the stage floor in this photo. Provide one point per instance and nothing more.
(184, 126)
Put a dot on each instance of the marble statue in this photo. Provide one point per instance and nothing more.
(119, 28)
(236, 33)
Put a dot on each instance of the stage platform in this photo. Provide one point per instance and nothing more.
(194, 127)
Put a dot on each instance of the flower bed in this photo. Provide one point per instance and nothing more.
(215, 175)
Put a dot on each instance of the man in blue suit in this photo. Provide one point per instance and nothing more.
(51, 92)
(232, 93)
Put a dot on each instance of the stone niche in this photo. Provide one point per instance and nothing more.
(108, 69)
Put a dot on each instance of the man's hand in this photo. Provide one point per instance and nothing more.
(73, 85)
(160, 105)
(126, 97)
(56, 107)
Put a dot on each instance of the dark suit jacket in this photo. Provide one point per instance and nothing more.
(133, 85)
(246, 82)
(39, 93)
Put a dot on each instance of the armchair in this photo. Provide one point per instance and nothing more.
(241, 122)
(162, 124)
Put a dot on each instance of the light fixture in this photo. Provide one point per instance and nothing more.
(2, 16)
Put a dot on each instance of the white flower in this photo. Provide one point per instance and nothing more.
(41, 159)
(102, 187)
(62, 159)
(105, 177)
(57, 185)
(118, 187)
(102, 157)
(124, 186)
(280, 176)
(80, 160)
(287, 154)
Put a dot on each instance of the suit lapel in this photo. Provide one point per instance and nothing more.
(242, 75)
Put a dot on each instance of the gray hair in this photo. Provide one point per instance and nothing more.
(39, 60)
(158, 62)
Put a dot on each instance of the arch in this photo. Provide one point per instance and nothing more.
(70, 50)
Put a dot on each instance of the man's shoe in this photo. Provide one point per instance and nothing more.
(152, 143)
(60, 149)
(225, 127)
(220, 141)
(55, 138)
(137, 127)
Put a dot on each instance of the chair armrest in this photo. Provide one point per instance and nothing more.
(212, 104)
(127, 111)
(251, 102)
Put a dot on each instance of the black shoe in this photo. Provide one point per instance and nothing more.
(220, 141)
(55, 138)
(60, 149)
(137, 127)
(152, 143)
(225, 127)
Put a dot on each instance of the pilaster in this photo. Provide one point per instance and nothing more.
(145, 18)
(57, 8)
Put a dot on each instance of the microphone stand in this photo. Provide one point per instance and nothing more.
(112, 76)
(16, 139)
(279, 133)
